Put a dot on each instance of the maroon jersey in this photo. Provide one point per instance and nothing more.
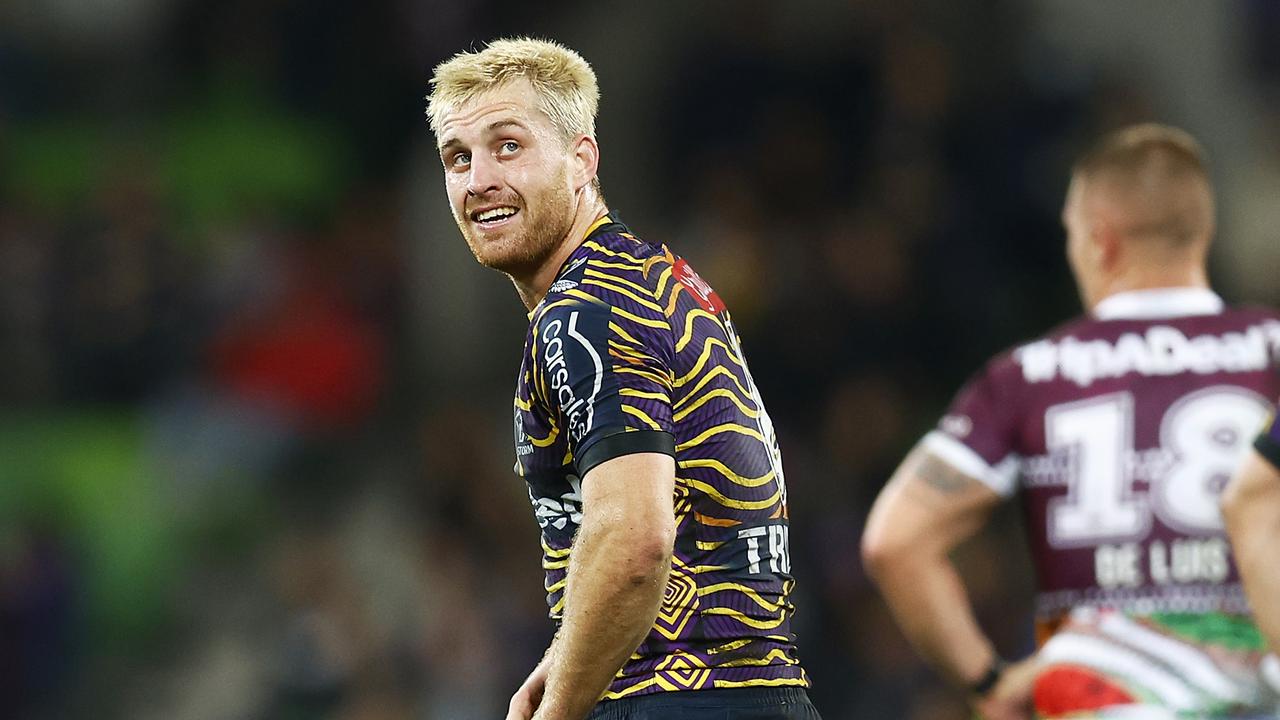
(1120, 429)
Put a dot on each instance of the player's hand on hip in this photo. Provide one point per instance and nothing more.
(1011, 698)
(527, 699)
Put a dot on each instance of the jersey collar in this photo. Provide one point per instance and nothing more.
(1159, 303)
(603, 224)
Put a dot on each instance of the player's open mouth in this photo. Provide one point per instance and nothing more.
(493, 216)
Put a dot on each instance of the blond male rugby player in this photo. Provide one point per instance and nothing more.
(650, 460)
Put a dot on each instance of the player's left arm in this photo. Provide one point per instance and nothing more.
(617, 575)
(1251, 511)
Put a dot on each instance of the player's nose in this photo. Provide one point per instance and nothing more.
(485, 176)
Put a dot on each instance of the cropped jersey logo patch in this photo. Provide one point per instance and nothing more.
(562, 285)
(698, 287)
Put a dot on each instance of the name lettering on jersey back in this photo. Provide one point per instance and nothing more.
(1182, 561)
(1160, 350)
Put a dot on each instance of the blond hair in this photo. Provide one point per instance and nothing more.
(564, 83)
(1158, 175)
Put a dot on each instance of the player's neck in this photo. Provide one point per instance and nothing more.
(1155, 278)
(534, 287)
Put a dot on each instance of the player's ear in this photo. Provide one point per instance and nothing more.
(1107, 245)
(586, 161)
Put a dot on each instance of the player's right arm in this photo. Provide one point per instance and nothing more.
(928, 509)
(1251, 511)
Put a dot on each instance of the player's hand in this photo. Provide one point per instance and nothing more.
(527, 699)
(1011, 698)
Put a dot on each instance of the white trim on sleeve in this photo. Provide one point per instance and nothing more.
(1001, 478)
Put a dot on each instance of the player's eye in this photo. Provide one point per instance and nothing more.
(509, 147)
(460, 160)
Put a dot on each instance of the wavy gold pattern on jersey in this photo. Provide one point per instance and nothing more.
(751, 594)
(614, 253)
(552, 551)
(620, 290)
(710, 545)
(557, 585)
(682, 671)
(746, 619)
(554, 558)
(731, 646)
(719, 371)
(576, 294)
(666, 259)
(631, 690)
(621, 332)
(777, 656)
(701, 364)
(718, 392)
(715, 521)
(664, 278)
(683, 506)
(680, 602)
(631, 355)
(642, 416)
(762, 682)
(662, 324)
(689, 317)
(674, 297)
(552, 433)
(719, 430)
(637, 351)
(648, 373)
(728, 473)
(629, 267)
(631, 392)
(641, 290)
(553, 427)
(729, 502)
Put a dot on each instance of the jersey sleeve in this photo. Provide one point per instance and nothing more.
(606, 379)
(978, 434)
(1268, 443)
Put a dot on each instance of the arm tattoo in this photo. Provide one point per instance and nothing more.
(940, 475)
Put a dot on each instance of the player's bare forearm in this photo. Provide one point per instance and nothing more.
(1251, 509)
(929, 602)
(925, 511)
(617, 575)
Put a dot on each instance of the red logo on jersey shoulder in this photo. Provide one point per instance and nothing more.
(697, 287)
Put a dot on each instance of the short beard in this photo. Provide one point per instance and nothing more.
(525, 254)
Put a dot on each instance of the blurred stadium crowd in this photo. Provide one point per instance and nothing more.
(255, 446)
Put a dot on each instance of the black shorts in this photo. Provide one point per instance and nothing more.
(723, 704)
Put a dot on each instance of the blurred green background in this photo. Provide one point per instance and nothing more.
(254, 432)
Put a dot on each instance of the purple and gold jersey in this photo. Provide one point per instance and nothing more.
(1120, 430)
(631, 351)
